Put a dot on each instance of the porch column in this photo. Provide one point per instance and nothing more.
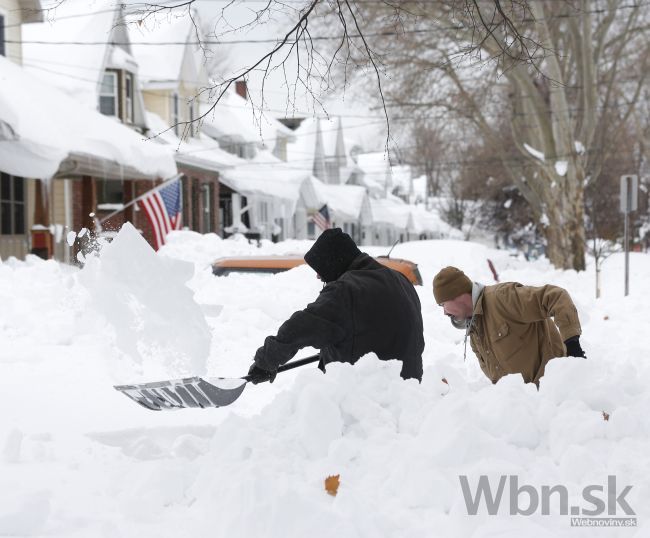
(41, 237)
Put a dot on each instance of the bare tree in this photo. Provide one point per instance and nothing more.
(571, 73)
(428, 153)
(571, 81)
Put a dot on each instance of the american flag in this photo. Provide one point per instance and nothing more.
(322, 218)
(163, 209)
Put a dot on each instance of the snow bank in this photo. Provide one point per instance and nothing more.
(203, 249)
(78, 459)
(399, 449)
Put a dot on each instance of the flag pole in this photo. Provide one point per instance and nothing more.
(135, 200)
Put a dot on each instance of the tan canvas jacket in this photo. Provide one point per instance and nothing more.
(512, 330)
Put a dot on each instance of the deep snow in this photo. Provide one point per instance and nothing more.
(77, 459)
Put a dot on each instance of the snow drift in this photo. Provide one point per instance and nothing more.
(77, 459)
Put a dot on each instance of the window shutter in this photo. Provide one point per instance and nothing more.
(2, 36)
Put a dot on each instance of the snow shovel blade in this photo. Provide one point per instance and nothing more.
(184, 393)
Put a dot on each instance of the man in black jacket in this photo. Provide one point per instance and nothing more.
(364, 307)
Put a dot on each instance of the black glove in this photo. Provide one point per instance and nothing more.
(259, 375)
(573, 348)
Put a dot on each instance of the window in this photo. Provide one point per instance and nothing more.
(2, 36)
(128, 97)
(110, 191)
(264, 212)
(206, 192)
(108, 104)
(12, 205)
(175, 114)
(191, 125)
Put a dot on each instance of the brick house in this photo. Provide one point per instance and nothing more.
(101, 79)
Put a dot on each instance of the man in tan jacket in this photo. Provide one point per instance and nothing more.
(509, 325)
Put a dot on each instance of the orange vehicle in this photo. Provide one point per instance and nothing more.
(278, 264)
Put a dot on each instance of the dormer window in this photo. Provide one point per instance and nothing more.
(108, 94)
(116, 94)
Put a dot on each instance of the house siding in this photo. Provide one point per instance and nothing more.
(11, 11)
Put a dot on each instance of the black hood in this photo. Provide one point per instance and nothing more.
(332, 254)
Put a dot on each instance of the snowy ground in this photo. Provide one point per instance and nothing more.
(77, 459)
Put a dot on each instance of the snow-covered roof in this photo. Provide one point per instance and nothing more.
(234, 116)
(376, 171)
(159, 62)
(391, 210)
(302, 151)
(40, 126)
(413, 218)
(401, 178)
(343, 201)
(200, 152)
(266, 175)
(420, 187)
(76, 69)
(424, 220)
(118, 58)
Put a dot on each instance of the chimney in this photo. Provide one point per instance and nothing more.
(241, 88)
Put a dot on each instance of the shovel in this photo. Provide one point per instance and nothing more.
(196, 391)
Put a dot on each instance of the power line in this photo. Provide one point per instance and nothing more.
(149, 8)
(220, 42)
(32, 61)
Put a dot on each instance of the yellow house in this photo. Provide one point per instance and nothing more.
(172, 72)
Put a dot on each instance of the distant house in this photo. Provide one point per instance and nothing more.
(115, 163)
(374, 172)
(171, 78)
(233, 175)
(241, 129)
(261, 195)
(270, 199)
(60, 157)
(321, 148)
(348, 206)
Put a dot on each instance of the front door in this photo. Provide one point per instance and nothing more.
(13, 237)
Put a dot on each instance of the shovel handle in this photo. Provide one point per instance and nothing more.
(291, 366)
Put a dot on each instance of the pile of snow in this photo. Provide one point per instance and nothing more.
(156, 323)
(78, 459)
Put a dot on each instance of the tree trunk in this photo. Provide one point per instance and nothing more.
(563, 207)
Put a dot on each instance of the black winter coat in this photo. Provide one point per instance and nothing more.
(370, 308)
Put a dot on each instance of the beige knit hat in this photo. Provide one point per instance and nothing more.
(450, 283)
